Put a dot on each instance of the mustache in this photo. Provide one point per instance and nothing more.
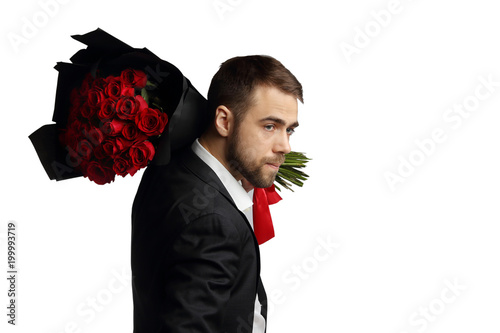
(278, 160)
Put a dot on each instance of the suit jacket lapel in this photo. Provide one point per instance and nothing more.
(205, 173)
(208, 176)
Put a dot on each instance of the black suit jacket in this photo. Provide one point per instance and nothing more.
(195, 259)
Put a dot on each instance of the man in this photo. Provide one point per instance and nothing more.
(195, 258)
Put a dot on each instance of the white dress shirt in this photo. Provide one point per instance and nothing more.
(243, 201)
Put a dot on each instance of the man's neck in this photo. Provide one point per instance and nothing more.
(216, 147)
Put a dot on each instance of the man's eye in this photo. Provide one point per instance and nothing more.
(269, 127)
(290, 131)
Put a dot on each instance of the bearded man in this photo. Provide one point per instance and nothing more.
(195, 257)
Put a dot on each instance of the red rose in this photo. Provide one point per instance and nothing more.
(123, 144)
(84, 148)
(110, 148)
(86, 111)
(151, 121)
(99, 152)
(132, 170)
(141, 153)
(99, 174)
(113, 127)
(121, 165)
(127, 91)
(130, 131)
(107, 110)
(94, 135)
(127, 107)
(113, 87)
(134, 78)
(95, 97)
(80, 127)
(142, 103)
(99, 83)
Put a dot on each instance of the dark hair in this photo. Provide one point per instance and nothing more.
(234, 83)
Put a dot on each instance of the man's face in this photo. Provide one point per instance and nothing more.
(259, 142)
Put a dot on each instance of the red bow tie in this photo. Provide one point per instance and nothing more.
(262, 222)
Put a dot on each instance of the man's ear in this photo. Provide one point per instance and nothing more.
(224, 121)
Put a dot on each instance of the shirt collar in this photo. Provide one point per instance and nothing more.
(240, 197)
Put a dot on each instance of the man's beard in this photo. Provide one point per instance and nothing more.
(253, 171)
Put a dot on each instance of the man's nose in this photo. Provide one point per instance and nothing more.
(283, 144)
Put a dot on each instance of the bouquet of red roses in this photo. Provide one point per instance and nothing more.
(112, 125)
(116, 108)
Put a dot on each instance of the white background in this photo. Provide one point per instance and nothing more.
(362, 115)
